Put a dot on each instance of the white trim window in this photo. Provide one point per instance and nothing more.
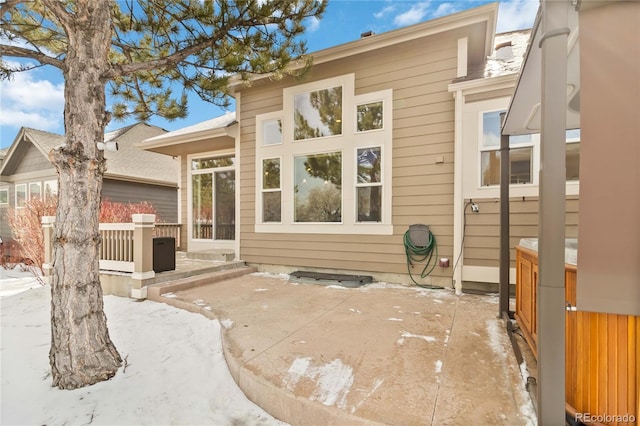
(211, 191)
(271, 190)
(4, 196)
(50, 188)
(21, 195)
(322, 164)
(520, 153)
(35, 190)
(480, 155)
(573, 155)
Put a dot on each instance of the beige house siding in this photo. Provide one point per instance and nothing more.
(482, 235)
(419, 73)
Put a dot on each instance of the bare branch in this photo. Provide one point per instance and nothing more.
(21, 52)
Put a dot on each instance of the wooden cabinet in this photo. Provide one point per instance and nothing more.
(526, 295)
(602, 351)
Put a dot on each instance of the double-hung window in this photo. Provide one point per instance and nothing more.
(520, 153)
(21, 195)
(324, 161)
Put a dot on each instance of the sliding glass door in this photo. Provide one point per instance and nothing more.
(213, 207)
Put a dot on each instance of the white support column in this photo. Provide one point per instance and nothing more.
(551, 229)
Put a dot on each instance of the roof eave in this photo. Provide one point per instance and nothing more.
(523, 114)
(486, 13)
(187, 137)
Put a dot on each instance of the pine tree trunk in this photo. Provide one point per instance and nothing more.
(81, 350)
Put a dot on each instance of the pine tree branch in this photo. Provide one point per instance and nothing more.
(9, 4)
(21, 52)
(58, 10)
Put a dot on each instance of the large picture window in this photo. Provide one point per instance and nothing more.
(317, 187)
(318, 113)
(320, 161)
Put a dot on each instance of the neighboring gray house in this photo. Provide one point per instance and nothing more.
(133, 175)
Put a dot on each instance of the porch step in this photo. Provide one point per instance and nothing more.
(155, 291)
(224, 255)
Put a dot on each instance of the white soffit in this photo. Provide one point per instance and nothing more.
(523, 116)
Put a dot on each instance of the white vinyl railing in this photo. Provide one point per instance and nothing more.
(125, 247)
(116, 250)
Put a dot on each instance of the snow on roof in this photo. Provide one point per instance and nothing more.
(215, 123)
(508, 54)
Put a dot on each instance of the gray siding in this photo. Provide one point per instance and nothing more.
(33, 161)
(165, 199)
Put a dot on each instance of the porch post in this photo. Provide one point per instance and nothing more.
(142, 248)
(551, 230)
(47, 240)
(505, 261)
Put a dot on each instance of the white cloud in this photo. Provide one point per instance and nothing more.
(414, 15)
(36, 120)
(516, 15)
(444, 9)
(30, 101)
(313, 24)
(384, 12)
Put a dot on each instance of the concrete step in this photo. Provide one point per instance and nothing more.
(224, 255)
(155, 291)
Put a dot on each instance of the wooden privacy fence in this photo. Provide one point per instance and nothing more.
(126, 247)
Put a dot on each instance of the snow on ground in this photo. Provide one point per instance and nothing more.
(175, 370)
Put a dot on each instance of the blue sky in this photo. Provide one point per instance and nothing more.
(36, 98)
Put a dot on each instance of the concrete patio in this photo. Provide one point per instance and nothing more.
(311, 354)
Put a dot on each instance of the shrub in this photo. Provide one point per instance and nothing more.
(116, 212)
(26, 224)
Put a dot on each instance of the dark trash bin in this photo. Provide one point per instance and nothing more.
(164, 254)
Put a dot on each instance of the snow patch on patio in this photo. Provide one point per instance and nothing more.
(333, 380)
(496, 338)
(406, 334)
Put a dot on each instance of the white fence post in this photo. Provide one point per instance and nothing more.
(47, 240)
(143, 246)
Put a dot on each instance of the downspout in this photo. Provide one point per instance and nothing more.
(551, 229)
(238, 170)
(458, 204)
(458, 209)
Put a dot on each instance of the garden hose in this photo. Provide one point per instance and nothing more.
(419, 254)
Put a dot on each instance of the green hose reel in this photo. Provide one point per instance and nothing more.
(419, 246)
